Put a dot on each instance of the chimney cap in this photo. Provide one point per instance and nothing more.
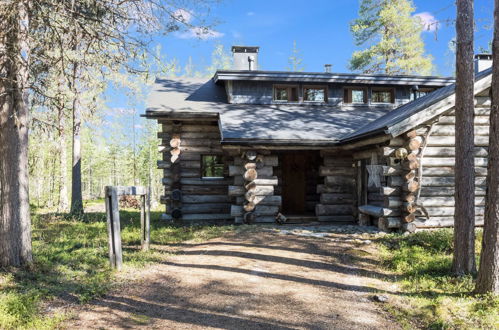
(245, 49)
(483, 56)
(327, 68)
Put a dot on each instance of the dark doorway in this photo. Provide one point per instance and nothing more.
(300, 176)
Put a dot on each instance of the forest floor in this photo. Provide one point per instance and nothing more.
(258, 278)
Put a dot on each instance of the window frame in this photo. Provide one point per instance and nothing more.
(288, 87)
(203, 167)
(428, 90)
(347, 91)
(324, 87)
(383, 89)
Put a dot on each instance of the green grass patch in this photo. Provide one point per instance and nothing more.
(436, 299)
(71, 263)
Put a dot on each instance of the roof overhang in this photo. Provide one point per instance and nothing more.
(322, 77)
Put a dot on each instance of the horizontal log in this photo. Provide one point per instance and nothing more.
(449, 211)
(447, 201)
(446, 181)
(447, 191)
(199, 181)
(392, 202)
(392, 170)
(262, 200)
(338, 161)
(385, 224)
(260, 210)
(207, 217)
(449, 171)
(184, 173)
(409, 227)
(336, 198)
(265, 182)
(163, 164)
(365, 154)
(451, 151)
(323, 189)
(339, 180)
(449, 130)
(236, 190)
(202, 190)
(390, 191)
(239, 170)
(321, 209)
(375, 196)
(449, 161)
(414, 143)
(205, 208)
(479, 120)
(449, 141)
(440, 222)
(258, 191)
(378, 211)
(199, 199)
(336, 171)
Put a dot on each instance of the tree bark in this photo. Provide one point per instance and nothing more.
(76, 193)
(464, 223)
(15, 225)
(488, 274)
(63, 177)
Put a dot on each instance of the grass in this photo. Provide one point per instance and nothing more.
(71, 264)
(434, 299)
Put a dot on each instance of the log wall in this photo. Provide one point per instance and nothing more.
(420, 168)
(337, 194)
(189, 197)
(252, 191)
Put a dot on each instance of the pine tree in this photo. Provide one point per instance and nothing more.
(393, 37)
(295, 60)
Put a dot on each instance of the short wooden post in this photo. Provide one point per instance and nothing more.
(113, 227)
(145, 220)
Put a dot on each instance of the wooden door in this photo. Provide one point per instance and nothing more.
(293, 183)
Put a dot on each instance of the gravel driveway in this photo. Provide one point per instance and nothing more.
(287, 278)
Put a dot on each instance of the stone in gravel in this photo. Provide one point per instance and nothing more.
(367, 242)
(380, 298)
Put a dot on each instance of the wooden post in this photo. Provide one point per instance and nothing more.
(113, 227)
(145, 222)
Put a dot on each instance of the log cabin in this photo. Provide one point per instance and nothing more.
(253, 146)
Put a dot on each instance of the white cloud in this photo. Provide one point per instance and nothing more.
(182, 15)
(200, 33)
(250, 13)
(429, 22)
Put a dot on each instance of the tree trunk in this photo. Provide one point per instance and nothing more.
(76, 194)
(464, 223)
(488, 274)
(15, 225)
(63, 177)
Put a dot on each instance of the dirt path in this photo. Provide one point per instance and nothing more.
(252, 280)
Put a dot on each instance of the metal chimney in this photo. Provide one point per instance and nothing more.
(245, 57)
(327, 68)
(482, 62)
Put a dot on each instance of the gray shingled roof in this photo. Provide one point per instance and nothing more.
(403, 112)
(265, 123)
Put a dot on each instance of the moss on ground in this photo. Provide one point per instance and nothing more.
(433, 298)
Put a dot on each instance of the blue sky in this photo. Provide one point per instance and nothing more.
(320, 28)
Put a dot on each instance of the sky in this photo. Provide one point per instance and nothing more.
(319, 27)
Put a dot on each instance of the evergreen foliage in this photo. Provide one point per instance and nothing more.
(393, 39)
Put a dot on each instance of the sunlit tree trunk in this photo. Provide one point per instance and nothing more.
(464, 216)
(15, 226)
(488, 274)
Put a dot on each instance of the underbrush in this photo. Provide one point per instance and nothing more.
(432, 297)
(71, 264)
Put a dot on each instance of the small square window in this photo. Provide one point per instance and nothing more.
(382, 95)
(212, 166)
(315, 94)
(286, 93)
(355, 96)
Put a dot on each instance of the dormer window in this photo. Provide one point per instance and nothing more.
(285, 93)
(382, 95)
(315, 94)
(355, 95)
